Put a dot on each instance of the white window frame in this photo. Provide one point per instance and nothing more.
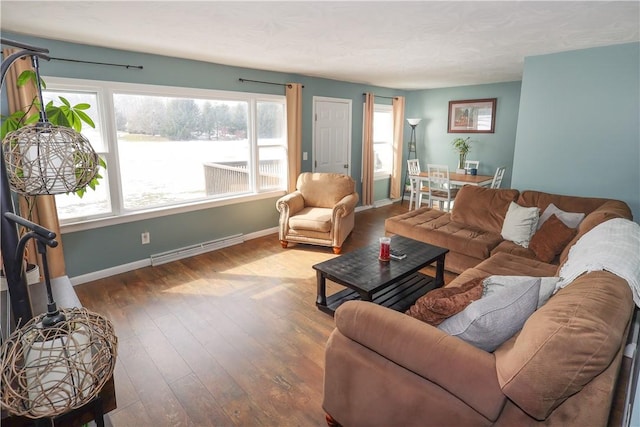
(104, 91)
(385, 109)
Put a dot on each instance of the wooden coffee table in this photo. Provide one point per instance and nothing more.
(396, 284)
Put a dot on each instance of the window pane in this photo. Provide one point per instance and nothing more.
(383, 141)
(173, 150)
(94, 135)
(272, 142)
(93, 202)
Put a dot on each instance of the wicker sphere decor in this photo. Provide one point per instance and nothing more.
(48, 371)
(48, 159)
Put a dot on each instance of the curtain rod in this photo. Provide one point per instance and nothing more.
(289, 85)
(380, 96)
(139, 67)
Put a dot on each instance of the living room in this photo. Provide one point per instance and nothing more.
(603, 101)
(567, 125)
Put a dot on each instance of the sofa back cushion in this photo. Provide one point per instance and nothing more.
(584, 205)
(566, 343)
(482, 207)
(608, 210)
(324, 190)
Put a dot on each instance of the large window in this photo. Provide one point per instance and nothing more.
(166, 147)
(383, 140)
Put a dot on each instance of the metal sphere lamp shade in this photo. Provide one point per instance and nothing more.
(58, 361)
(51, 370)
(45, 159)
(48, 159)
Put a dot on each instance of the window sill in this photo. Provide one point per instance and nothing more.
(165, 211)
(380, 177)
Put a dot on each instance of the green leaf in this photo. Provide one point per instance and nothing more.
(26, 76)
(85, 118)
(82, 106)
(64, 101)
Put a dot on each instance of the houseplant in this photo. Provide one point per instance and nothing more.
(63, 116)
(462, 146)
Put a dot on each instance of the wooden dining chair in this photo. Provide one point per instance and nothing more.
(418, 190)
(440, 186)
(497, 178)
(471, 164)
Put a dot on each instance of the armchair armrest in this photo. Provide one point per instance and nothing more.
(345, 206)
(290, 203)
(463, 370)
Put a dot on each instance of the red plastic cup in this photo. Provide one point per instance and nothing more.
(385, 249)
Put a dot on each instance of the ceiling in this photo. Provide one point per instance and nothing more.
(403, 45)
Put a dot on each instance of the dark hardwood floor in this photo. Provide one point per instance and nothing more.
(231, 337)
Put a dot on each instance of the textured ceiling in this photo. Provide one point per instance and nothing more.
(404, 45)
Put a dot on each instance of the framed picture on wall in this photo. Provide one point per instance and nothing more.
(472, 116)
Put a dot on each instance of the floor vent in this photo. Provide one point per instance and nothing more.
(197, 249)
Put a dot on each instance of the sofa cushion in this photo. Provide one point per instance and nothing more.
(324, 190)
(551, 239)
(566, 343)
(504, 264)
(437, 228)
(491, 320)
(482, 208)
(520, 224)
(439, 304)
(313, 219)
(513, 249)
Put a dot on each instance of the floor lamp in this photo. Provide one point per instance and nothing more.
(412, 154)
(58, 361)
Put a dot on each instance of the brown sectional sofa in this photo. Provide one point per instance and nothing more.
(471, 231)
(385, 368)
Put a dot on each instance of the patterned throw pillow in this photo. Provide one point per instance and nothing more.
(439, 304)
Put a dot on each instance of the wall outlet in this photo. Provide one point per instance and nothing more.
(145, 238)
(304, 156)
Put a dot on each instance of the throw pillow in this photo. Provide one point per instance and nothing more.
(439, 304)
(493, 284)
(490, 321)
(570, 219)
(519, 224)
(551, 239)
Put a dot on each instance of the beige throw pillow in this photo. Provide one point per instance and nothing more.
(519, 224)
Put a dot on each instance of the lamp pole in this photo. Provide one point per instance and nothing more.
(13, 268)
(412, 151)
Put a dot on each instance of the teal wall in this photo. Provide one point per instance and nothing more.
(578, 129)
(574, 115)
(491, 149)
(102, 248)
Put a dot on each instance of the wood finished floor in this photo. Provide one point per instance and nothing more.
(228, 338)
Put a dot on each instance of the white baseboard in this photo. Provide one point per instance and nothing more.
(112, 271)
(123, 268)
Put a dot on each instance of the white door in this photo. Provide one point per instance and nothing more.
(332, 135)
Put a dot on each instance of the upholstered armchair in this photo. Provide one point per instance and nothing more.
(319, 212)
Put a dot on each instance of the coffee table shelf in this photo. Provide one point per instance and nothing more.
(398, 297)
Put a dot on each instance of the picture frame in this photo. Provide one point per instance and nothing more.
(472, 116)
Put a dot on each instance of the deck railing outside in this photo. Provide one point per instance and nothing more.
(233, 177)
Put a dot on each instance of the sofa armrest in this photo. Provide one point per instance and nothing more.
(345, 206)
(465, 371)
(290, 204)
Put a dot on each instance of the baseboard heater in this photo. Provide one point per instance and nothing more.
(197, 249)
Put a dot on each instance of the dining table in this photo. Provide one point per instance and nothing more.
(461, 179)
